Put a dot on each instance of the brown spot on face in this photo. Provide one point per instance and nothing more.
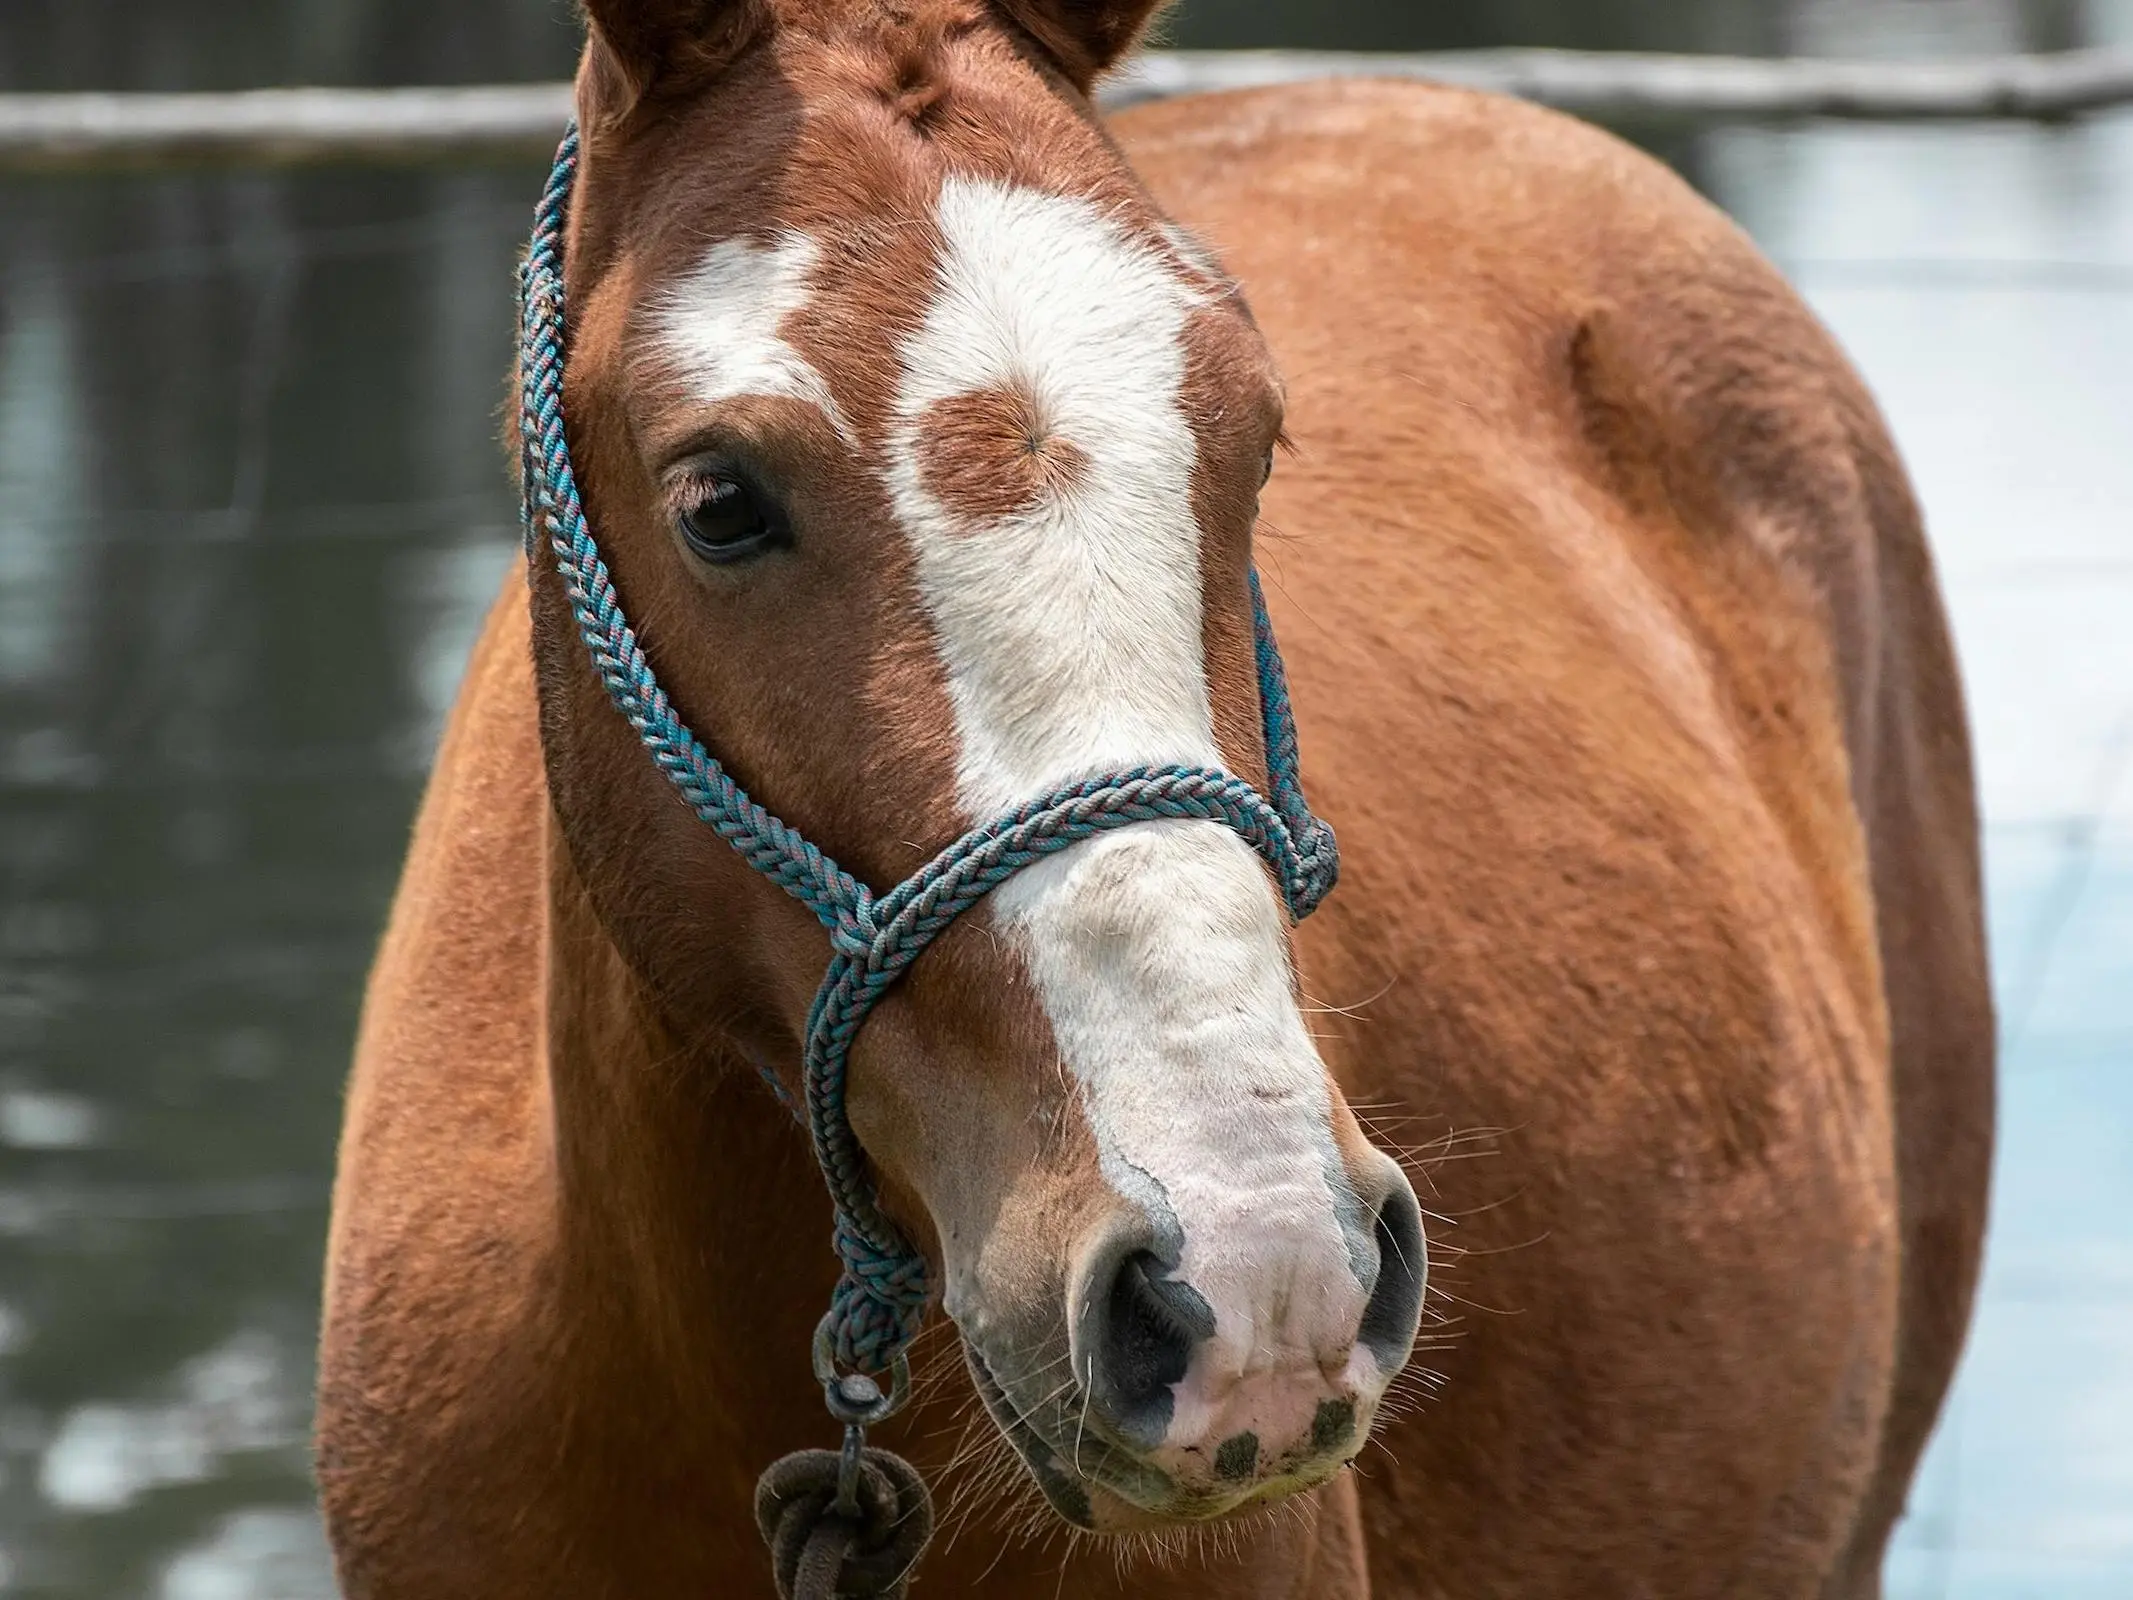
(990, 454)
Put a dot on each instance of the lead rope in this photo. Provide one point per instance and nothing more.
(851, 1523)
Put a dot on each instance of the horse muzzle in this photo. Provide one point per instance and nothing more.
(1206, 1375)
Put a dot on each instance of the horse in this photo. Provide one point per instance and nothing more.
(1587, 1201)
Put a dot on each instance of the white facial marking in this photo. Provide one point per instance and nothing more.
(718, 325)
(1071, 634)
(1071, 629)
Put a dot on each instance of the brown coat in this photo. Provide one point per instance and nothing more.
(1620, 669)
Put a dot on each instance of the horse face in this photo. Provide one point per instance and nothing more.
(926, 454)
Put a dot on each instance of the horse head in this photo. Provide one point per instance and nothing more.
(926, 452)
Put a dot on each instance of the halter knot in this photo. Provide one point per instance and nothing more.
(855, 933)
(879, 1303)
(818, 1552)
(1318, 869)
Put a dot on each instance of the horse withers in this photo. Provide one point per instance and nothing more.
(930, 453)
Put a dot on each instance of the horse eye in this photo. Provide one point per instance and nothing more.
(729, 522)
(1266, 469)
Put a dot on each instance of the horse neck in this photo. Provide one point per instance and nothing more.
(692, 1228)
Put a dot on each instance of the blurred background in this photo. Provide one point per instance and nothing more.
(251, 506)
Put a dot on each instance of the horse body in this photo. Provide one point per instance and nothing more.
(1623, 676)
(1620, 670)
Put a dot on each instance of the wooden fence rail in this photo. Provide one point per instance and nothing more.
(291, 126)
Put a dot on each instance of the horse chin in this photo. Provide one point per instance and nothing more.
(1103, 1488)
(1116, 1516)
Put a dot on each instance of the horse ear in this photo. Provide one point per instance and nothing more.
(1086, 37)
(658, 44)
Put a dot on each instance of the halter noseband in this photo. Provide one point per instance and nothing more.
(880, 1301)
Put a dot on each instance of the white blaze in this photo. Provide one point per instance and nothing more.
(1071, 635)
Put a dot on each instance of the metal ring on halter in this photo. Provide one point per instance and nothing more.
(853, 1398)
(857, 1401)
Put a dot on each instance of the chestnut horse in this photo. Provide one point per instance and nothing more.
(929, 454)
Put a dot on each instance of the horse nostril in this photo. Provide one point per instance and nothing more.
(1395, 1308)
(1143, 1343)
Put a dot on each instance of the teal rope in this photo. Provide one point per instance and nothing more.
(881, 1298)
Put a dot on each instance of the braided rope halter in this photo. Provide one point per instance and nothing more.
(880, 1300)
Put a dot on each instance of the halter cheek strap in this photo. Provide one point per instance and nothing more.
(881, 1298)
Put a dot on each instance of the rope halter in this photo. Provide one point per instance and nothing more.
(881, 1298)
